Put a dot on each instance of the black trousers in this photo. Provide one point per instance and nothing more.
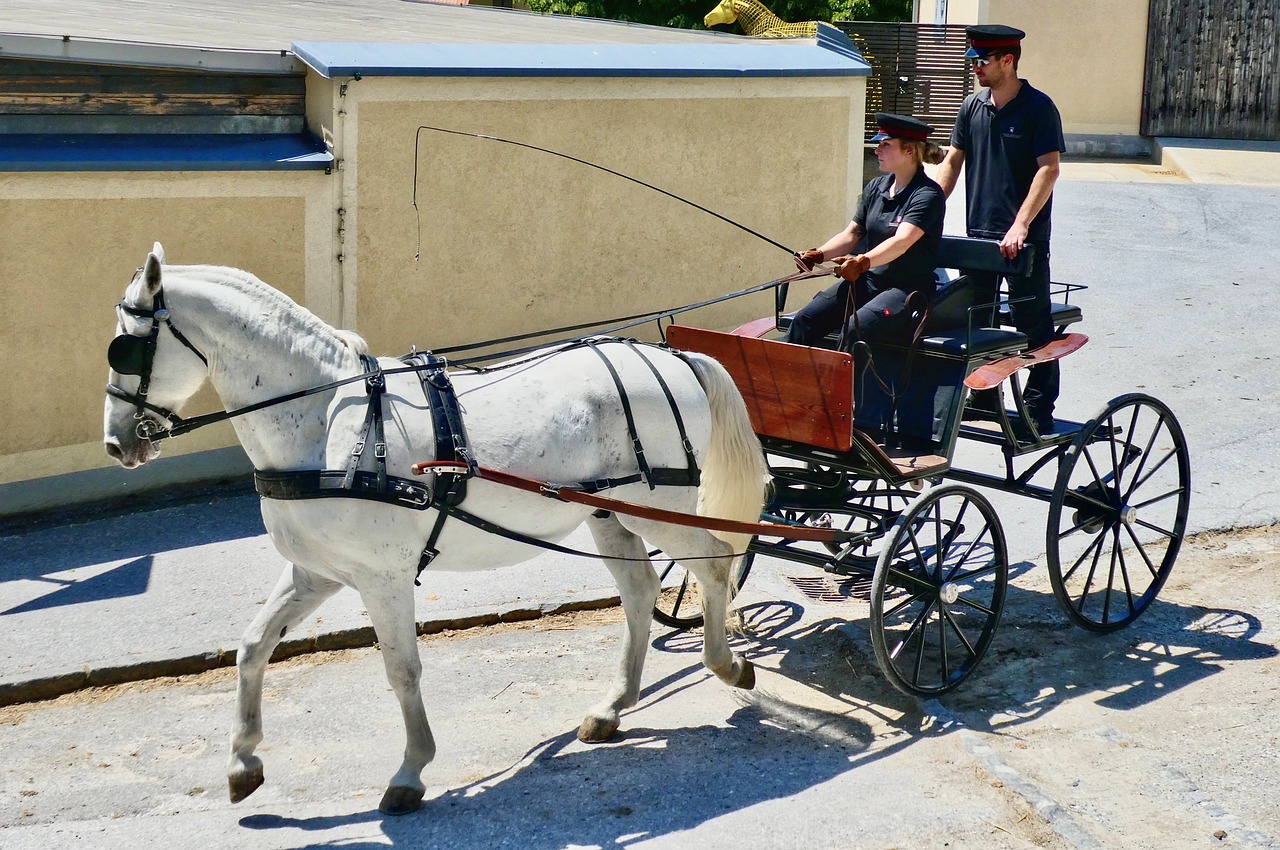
(1031, 308)
(874, 315)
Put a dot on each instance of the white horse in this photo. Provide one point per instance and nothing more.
(555, 418)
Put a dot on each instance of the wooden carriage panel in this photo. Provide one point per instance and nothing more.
(793, 392)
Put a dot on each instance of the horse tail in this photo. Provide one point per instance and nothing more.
(734, 474)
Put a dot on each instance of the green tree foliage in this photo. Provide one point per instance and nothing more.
(688, 14)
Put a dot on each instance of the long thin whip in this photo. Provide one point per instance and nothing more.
(418, 140)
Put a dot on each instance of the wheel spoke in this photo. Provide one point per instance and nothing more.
(959, 631)
(670, 566)
(1157, 529)
(1136, 484)
(1124, 574)
(1146, 453)
(973, 544)
(1093, 569)
(942, 642)
(910, 600)
(1160, 498)
(911, 630)
(1142, 550)
(910, 578)
(684, 585)
(1096, 544)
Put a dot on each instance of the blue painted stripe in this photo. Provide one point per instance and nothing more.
(161, 152)
(768, 58)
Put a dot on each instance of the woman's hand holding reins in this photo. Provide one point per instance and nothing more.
(806, 260)
(852, 268)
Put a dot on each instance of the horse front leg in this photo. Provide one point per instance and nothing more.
(297, 594)
(391, 609)
(638, 587)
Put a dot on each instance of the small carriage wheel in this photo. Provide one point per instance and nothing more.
(938, 590)
(845, 501)
(1118, 512)
(680, 603)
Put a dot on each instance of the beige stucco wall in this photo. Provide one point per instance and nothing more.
(514, 240)
(1088, 55)
(72, 241)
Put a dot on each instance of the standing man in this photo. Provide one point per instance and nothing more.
(1010, 137)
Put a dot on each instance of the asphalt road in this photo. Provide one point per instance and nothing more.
(1159, 737)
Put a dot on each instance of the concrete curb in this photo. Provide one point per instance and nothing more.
(51, 687)
(1049, 810)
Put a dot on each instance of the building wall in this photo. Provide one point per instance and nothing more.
(511, 240)
(514, 240)
(72, 241)
(1088, 55)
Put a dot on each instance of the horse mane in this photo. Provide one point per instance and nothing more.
(256, 288)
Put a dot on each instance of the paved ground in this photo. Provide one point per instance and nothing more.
(1181, 305)
(1159, 737)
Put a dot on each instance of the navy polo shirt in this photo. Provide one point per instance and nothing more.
(922, 203)
(1000, 150)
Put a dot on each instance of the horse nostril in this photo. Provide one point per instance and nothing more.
(114, 451)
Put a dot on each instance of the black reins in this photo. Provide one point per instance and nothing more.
(130, 354)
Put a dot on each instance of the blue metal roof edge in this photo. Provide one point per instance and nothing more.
(161, 152)
(833, 55)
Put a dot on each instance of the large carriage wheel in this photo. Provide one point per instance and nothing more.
(680, 603)
(938, 590)
(1119, 512)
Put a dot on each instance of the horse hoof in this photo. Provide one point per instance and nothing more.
(747, 679)
(596, 730)
(243, 784)
(400, 801)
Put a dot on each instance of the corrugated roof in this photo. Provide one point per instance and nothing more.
(273, 25)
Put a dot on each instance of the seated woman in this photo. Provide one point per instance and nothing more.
(897, 228)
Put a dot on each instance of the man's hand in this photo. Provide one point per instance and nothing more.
(852, 268)
(806, 260)
(1013, 241)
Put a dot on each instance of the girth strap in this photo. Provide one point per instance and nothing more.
(332, 483)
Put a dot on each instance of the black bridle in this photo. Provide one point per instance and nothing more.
(130, 354)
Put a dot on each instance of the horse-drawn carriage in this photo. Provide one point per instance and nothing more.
(852, 438)
(522, 451)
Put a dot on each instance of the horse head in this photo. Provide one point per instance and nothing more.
(725, 13)
(154, 370)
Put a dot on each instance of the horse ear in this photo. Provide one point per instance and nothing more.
(151, 271)
(158, 250)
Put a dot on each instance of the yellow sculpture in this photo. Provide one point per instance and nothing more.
(755, 19)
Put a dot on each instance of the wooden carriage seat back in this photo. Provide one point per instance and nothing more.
(793, 392)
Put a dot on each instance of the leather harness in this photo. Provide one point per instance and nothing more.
(454, 463)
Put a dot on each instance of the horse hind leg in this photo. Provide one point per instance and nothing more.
(710, 560)
(638, 587)
(297, 594)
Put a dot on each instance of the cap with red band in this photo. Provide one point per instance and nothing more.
(900, 127)
(988, 37)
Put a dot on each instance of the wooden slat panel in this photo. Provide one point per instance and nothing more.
(149, 104)
(56, 88)
(1213, 69)
(793, 392)
(917, 69)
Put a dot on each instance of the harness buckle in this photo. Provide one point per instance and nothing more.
(358, 449)
(380, 451)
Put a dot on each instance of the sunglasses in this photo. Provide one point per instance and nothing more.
(984, 61)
